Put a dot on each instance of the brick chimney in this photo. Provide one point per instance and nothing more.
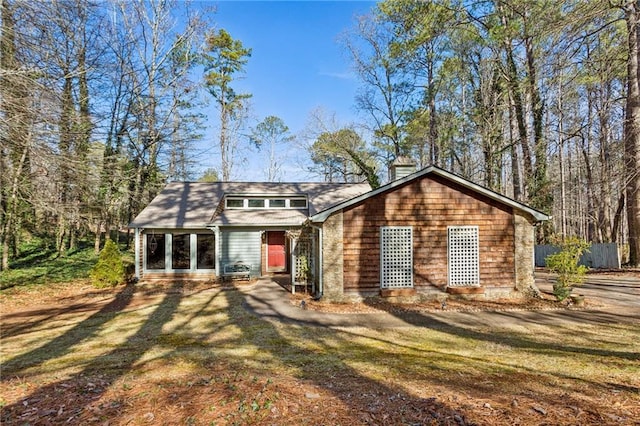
(401, 167)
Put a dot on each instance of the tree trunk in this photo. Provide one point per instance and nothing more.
(98, 236)
(224, 144)
(515, 162)
(515, 91)
(632, 133)
(617, 218)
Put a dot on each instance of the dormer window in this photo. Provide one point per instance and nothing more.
(252, 202)
(235, 203)
(298, 203)
(256, 203)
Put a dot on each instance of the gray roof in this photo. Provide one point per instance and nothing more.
(261, 217)
(195, 204)
(537, 215)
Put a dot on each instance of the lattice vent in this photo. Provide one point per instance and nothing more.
(396, 256)
(464, 259)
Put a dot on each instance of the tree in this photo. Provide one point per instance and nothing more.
(632, 129)
(342, 156)
(224, 58)
(16, 114)
(388, 90)
(273, 134)
(109, 270)
(209, 175)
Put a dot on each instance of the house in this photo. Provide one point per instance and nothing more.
(423, 234)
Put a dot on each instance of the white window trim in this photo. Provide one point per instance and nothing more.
(168, 246)
(267, 202)
(475, 275)
(383, 282)
(306, 203)
(226, 203)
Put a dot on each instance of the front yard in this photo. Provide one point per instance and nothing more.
(74, 355)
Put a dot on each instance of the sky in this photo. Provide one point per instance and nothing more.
(297, 65)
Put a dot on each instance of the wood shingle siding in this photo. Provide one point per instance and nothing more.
(429, 205)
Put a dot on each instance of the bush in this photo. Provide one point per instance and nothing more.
(565, 264)
(109, 270)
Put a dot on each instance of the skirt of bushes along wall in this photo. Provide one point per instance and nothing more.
(599, 256)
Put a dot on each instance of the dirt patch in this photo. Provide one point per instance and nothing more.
(376, 304)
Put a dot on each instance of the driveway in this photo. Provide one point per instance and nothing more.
(613, 290)
(620, 300)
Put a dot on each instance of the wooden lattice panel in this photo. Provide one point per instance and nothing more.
(463, 256)
(303, 252)
(396, 256)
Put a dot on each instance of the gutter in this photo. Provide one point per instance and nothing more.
(320, 260)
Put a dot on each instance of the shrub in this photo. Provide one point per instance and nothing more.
(565, 264)
(109, 270)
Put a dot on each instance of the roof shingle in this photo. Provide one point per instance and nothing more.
(195, 204)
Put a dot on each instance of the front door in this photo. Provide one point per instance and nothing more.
(276, 251)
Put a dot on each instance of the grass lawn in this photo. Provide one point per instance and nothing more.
(40, 264)
(135, 355)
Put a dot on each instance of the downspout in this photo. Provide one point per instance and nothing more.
(294, 243)
(320, 263)
(136, 244)
(216, 233)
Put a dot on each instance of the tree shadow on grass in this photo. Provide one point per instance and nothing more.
(324, 367)
(80, 389)
(258, 374)
(32, 257)
(62, 344)
(31, 321)
(483, 378)
(438, 322)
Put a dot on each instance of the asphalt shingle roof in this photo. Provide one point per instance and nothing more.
(196, 204)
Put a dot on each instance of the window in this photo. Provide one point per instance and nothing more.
(298, 203)
(396, 256)
(256, 203)
(277, 203)
(239, 202)
(463, 254)
(206, 251)
(235, 203)
(155, 251)
(181, 251)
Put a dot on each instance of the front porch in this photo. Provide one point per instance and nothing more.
(223, 254)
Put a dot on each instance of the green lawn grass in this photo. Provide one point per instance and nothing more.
(39, 264)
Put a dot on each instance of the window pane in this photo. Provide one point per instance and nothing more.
(155, 251)
(276, 203)
(299, 203)
(256, 203)
(206, 251)
(235, 203)
(181, 251)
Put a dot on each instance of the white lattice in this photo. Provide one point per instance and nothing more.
(464, 259)
(396, 256)
(303, 254)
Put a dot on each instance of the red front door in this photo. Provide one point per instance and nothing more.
(276, 251)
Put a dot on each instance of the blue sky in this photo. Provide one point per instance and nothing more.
(297, 65)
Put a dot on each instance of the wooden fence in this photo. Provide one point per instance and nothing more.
(599, 256)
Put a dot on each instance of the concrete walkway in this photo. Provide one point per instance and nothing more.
(270, 301)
